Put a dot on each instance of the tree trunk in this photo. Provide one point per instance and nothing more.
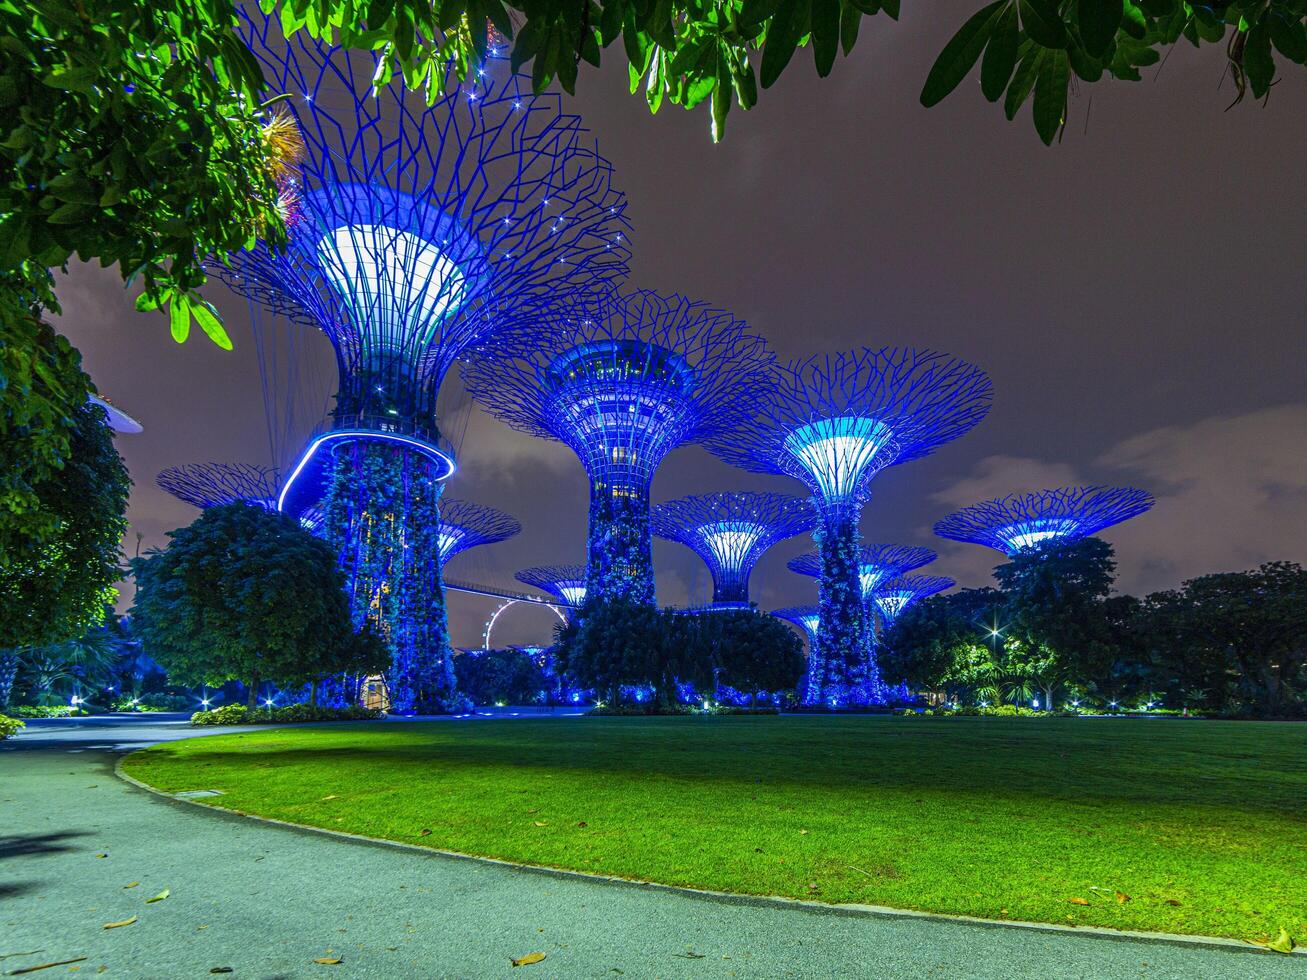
(252, 693)
(313, 692)
(1048, 697)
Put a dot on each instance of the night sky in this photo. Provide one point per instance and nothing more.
(1136, 294)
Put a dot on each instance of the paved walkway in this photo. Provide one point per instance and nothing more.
(265, 901)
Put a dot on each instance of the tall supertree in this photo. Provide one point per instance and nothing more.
(465, 525)
(566, 583)
(205, 485)
(1028, 521)
(834, 422)
(415, 232)
(896, 595)
(731, 531)
(623, 382)
(876, 563)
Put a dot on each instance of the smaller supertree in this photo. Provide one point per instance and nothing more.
(731, 531)
(566, 583)
(876, 563)
(206, 485)
(808, 619)
(897, 594)
(465, 525)
(1027, 521)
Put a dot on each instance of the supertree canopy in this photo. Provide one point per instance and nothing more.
(1028, 521)
(415, 231)
(623, 382)
(897, 594)
(465, 525)
(834, 422)
(206, 485)
(876, 563)
(566, 583)
(731, 531)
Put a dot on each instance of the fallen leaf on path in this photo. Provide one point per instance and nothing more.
(221, 969)
(120, 924)
(1078, 901)
(542, 823)
(159, 897)
(333, 796)
(329, 960)
(43, 966)
(130, 884)
(1172, 901)
(102, 855)
(1282, 943)
(1122, 898)
(582, 823)
(801, 832)
(424, 832)
(526, 960)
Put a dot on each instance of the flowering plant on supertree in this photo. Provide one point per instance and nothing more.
(623, 381)
(414, 232)
(730, 531)
(1028, 521)
(834, 422)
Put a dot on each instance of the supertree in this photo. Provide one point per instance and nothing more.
(566, 583)
(465, 525)
(623, 382)
(894, 596)
(415, 232)
(834, 422)
(730, 532)
(1028, 521)
(205, 485)
(808, 619)
(876, 563)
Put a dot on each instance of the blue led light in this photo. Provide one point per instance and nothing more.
(896, 595)
(731, 532)
(207, 485)
(876, 563)
(1029, 521)
(564, 582)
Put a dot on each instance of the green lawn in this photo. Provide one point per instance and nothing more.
(1203, 825)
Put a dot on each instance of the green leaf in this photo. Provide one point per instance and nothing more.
(721, 100)
(179, 316)
(1098, 21)
(789, 24)
(70, 214)
(1133, 22)
(850, 21)
(1257, 60)
(72, 79)
(1290, 38)
(825, 34)
(145, 302)
(1042, 23)
(960, 54)
(207, 317)
(1000, 55)
(1050, 95)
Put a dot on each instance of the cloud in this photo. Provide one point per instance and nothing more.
(1231, 493)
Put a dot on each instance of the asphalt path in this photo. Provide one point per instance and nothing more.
(80, 848)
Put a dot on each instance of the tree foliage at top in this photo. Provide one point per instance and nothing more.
(247, 594)
(751, 651)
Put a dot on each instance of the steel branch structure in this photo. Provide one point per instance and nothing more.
(876, 563)
(834, 422)
(205, 485)
(623, 382)
(731, 531)
(415, 232)
(896, 595)
(1028, 521)
(808, 619)
(465, 525)
(566, 583)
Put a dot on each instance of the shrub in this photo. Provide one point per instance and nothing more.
(41, 711)
(9, 727)
(744, 709)
(155, 702)
(644, 708)
(238, 714)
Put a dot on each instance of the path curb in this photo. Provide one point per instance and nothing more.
(1233, 946)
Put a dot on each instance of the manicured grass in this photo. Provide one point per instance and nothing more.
(1202, 824)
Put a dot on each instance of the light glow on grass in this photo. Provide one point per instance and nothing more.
(998, 818)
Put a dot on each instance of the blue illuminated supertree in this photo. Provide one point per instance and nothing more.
(415, 232)
(876, 563)
(731, 531)
(566, 583)
(465, 525)
(834, 422)
(205, 485)
(623, 382)
(894, 596)
(1027, 521)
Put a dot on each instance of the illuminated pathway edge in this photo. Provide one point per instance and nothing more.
(267, 899)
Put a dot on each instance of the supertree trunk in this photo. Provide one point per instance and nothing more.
(842, 634)
(620, 553)
(382, 514)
